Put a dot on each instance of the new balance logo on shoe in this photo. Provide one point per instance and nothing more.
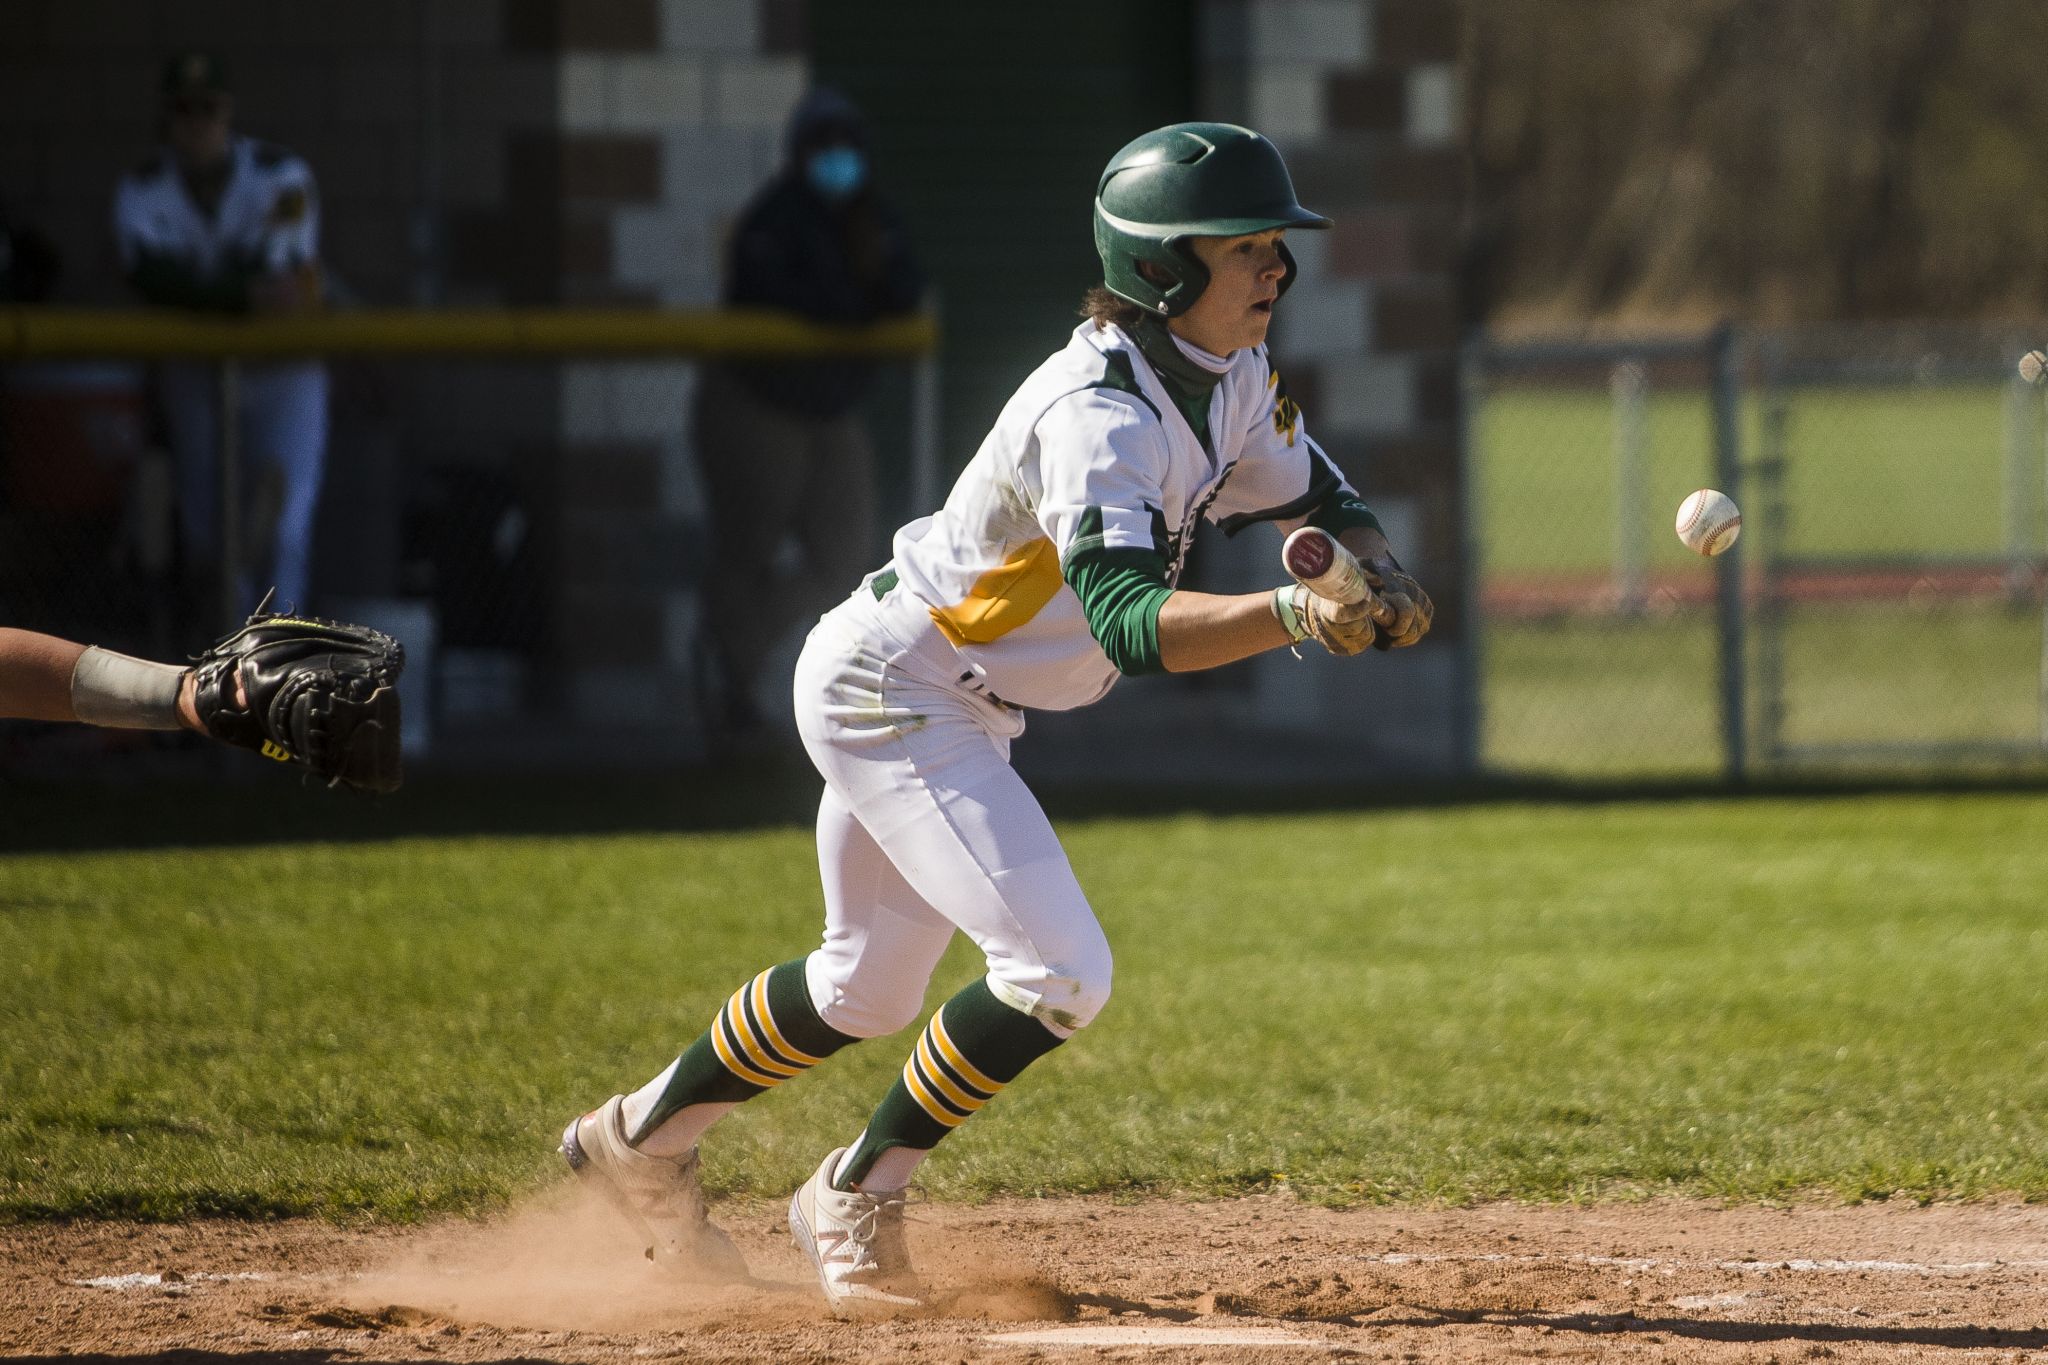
(855, 1243)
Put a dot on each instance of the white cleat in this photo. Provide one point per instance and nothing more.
(855, 1242)
(660, 1196)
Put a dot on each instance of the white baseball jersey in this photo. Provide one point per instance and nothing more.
(266, 224)
(1091, 451)
(268, 221)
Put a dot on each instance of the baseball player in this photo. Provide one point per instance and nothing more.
(1049, 574)
(221, 223)
(320, 694)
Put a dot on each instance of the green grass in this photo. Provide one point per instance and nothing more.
(1888, 472)
(1610, 696)
(1731, 999)
(1602, 697)
(1897, 472)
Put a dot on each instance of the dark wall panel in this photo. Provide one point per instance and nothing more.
(991, 124)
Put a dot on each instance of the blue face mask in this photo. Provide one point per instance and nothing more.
(836, 172)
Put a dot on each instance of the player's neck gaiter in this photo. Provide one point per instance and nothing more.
(973, 1047)
(767, 1032)
(1190, 383)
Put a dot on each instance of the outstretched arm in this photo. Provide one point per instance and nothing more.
(1199, 630)
(322, 694)
(35, 676)
(40, 680)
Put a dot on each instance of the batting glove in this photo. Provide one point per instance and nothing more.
(1343, 628)
(1404, 611)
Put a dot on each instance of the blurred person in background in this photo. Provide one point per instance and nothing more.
(215, 222)
(781, 444)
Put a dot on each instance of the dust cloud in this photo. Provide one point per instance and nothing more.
(566, 1261)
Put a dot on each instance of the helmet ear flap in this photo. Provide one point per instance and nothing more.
(1192, 275)
(1162, 277)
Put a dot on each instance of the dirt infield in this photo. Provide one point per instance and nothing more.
(1258, 1279)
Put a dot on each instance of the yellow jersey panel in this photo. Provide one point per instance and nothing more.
(1005, 597)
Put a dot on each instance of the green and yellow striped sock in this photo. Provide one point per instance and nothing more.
(973, 1047)
(767, 1032)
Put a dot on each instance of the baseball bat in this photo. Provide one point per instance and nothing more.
(1320, 563)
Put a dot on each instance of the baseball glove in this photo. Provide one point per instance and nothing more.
(321, 694)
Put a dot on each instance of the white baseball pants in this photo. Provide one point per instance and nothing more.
(283, 448)
(924, 829)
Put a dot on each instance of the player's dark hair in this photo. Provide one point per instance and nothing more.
(1103, 308)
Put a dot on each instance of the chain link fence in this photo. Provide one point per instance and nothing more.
(1600, 637)
(533, 527)
(1898, 515)
(1882, 610)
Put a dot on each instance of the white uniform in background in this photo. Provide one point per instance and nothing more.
(267, 224)
(907, 694)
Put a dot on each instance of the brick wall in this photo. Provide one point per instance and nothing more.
(670, 115)
(1362, 97)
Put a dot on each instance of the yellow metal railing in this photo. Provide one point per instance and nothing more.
(36, 333)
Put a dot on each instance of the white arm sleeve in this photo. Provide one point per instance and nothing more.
(1099, 468)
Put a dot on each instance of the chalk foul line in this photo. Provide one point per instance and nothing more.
(1672, 1266)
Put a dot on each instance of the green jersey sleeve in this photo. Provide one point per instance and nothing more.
(1121, 591)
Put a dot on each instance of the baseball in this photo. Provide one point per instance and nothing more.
(1708, 521)
(2033, 365)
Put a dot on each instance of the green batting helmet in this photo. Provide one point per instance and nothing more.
(1188, 180)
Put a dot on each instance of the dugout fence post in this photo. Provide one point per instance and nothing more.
(1471, 718)
(1769, 522)
(1725, 354)
(2037, 411)
(2017, 487)
(1628, 387)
